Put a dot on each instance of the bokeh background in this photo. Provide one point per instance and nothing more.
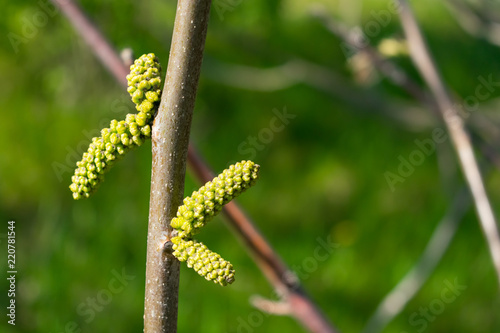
(323, 174)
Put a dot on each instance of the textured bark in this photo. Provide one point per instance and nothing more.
(170, 142)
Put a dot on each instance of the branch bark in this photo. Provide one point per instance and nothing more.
(170, 141)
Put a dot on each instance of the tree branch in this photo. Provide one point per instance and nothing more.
(170, 140)
(456, 128)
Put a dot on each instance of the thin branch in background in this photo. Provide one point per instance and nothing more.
(274, 269)
(395, 301)
(97, 42)
(456, 128)
(479, 125)
(477, 22)
(278, 308)
(170, 141)
(387, 68)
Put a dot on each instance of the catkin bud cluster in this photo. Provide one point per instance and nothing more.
(144, 88)
(205, 262)
(202, 206)
(208, 201)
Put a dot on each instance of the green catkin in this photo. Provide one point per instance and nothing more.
(121, 136)
(208, 201)
(205, 262)
(200, 208)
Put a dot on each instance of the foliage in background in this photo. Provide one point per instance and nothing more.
(322, 178)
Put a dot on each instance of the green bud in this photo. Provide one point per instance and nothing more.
(205, 262)
(141, 119)
(144, 88)
(133, 127)
(145, 106)
(125, 139)
(146, 130)
(114, 138)
(138, 140)
(208, 201)
(138, 96)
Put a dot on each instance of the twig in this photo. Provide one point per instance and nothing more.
(455, 125)
(278, 274)
(476, 22)
(388, 68)
(395, 301)
(170, 140)
(97, 42)
(399, 78)
(278, 308)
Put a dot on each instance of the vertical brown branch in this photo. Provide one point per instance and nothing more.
(170, 142)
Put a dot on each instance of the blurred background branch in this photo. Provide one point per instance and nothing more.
(456, 128)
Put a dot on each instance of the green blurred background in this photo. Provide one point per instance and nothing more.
(322, 174)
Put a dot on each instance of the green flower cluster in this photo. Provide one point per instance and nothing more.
(121, 136)
(208, 201)
(200, 208)
(204, 261)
